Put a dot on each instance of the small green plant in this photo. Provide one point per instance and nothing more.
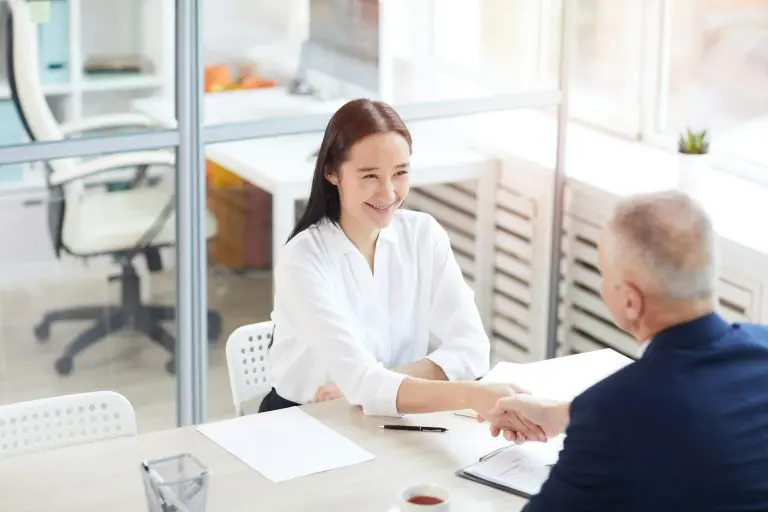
(693, 142)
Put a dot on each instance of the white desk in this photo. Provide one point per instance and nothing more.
(282, 165)
(105, 476)
(239, 105)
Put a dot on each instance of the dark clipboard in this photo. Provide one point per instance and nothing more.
(511, 490)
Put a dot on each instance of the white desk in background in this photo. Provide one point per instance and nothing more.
(283, 166)
(239, 105)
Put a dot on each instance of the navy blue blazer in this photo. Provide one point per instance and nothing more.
(684, 428)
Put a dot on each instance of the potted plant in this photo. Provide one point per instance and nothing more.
(694, 158)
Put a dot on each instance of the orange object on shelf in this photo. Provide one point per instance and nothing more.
(244, 215)
(223, 77)
(216, 77)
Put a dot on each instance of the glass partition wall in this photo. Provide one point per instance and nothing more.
(220, 85)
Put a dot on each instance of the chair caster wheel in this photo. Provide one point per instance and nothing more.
(42, 332)
(64, 365)
(214, 328)
(170, 366)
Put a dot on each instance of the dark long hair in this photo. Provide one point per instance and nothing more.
(354, 121)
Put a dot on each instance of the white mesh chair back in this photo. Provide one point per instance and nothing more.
(247, 350)
(64, 421)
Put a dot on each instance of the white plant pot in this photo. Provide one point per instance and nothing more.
(693, 171)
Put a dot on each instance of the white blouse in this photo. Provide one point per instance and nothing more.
(337, 322)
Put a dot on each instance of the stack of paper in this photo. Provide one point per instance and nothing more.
(560, 378)
(285, 444)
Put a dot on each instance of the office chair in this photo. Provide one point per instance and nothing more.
(247, 351)
(61, 421)
(123, 224)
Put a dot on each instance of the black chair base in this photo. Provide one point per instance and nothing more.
(130, 314)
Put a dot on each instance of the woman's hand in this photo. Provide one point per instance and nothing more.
(328, 392)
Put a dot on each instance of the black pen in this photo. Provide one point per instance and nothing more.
(414, 428)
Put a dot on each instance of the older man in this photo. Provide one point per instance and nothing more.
(685, 428)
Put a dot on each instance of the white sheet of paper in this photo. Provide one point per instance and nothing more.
(285, 444)
(564, 378)
(560, 378)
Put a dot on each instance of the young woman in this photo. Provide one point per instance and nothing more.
(361, 285)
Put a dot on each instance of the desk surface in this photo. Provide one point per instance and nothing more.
(105, 476)
(238, 106)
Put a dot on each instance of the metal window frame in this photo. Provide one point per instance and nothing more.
(189, 140)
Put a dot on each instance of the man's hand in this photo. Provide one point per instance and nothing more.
(551, 416)
(486, 403)
(328, 392)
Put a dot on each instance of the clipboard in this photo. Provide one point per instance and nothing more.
(518, 470)
(499, 487)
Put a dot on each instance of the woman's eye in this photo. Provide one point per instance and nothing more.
(369, 176)
(402, 172)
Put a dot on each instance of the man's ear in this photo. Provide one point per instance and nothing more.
(634, 306)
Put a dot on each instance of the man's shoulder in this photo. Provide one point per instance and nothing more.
(617, 387)
(753, 333)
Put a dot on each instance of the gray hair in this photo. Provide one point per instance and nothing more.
(672, 236)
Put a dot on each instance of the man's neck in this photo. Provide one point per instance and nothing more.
(668, 315)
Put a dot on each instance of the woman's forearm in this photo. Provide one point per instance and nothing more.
(417, 395)
(422, 369)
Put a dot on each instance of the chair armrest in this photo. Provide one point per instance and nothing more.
(108, 121)
(110, 163)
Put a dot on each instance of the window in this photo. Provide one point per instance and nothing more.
(717, 74)
(495, 41)
(642, 69)
(471, 48)
(605, 75)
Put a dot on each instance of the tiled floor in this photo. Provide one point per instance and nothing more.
(125, 362)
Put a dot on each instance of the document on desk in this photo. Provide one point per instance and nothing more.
(519, 470)
(285, 444)
(559, 378)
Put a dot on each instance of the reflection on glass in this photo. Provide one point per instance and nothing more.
(87, 283)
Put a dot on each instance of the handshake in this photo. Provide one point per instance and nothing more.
(520, 416)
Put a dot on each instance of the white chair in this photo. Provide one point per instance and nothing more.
(62, 421)
(247, 350)
(124, 224)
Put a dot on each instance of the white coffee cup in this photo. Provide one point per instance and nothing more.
(433, 497)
